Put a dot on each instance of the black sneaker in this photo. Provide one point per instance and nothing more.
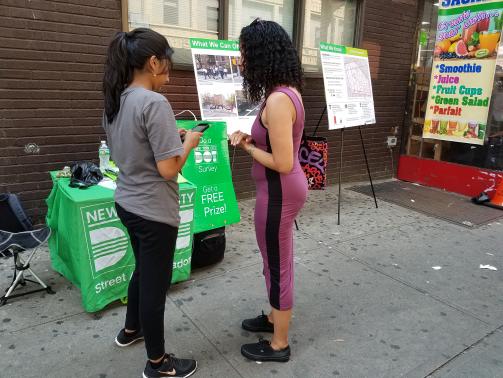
(125, 339)
(171, 367)
(259, 324)
(262, 351)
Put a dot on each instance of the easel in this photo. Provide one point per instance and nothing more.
(340, 168)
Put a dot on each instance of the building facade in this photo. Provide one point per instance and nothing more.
(52, 63)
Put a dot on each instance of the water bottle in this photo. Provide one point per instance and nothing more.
(104, 153)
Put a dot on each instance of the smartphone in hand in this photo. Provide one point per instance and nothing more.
(201, 128)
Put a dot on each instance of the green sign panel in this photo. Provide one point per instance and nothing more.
(209, 169)
(330, 47)
(214, 44)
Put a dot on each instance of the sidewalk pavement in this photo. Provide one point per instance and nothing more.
(368, 304)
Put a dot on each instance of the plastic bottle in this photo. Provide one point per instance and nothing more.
(104, 153)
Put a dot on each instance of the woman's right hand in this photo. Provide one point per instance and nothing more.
(240, 139)
(191, 139)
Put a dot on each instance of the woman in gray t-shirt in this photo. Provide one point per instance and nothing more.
(146, 146)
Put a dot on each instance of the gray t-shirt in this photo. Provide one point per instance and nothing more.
(141, 134)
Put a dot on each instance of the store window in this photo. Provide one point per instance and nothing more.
(170, 12)
(490, 154)
(178, 20)
(242, 12)
(331, 21)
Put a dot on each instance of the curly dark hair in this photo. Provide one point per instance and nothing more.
(269, 59)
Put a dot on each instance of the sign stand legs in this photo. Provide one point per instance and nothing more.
(340, 178)
(367, 164)
(340, 173)
(341, 164)
(319, 121)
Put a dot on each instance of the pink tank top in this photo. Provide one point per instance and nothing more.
(260, 135)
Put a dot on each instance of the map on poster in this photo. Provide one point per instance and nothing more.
(220, 84)
(348, 86)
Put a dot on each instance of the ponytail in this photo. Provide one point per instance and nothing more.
(127, 52)
(118, 74)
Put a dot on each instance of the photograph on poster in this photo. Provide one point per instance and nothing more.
(213, 68)
(236, 71)
(245, 107)
(219, 81)
(215, 105)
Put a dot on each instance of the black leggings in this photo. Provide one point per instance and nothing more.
(154, 247)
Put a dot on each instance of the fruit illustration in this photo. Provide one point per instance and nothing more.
(468, 33)
(483, 25)
(452, 48)
(461, 49)
(482, 53)
(456, 37)
(443, 45)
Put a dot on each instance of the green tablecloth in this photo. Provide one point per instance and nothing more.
(90, 246)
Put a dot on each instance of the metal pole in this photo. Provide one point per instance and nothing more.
(340, 178)
(367, 164)
(319, 121)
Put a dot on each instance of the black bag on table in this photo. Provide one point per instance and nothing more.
(208, 248)
(85, 174)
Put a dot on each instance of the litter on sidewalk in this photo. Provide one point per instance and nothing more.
(488, 267)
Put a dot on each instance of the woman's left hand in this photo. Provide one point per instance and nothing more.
(241, 140)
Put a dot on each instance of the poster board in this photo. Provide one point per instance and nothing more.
(220, 84)
(348, 86)
(462, 77)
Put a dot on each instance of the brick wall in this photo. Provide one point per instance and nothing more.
(51, 63)
(51, 59)
(389, 37)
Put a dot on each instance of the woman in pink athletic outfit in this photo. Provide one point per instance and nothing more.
(272, 70)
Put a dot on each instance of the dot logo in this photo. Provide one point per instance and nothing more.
(205, 156)
(109, 246)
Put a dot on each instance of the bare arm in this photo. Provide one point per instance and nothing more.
(279, 117)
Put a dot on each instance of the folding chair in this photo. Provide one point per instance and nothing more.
(18, 236)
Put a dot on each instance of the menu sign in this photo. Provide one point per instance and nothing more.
(462, 78)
